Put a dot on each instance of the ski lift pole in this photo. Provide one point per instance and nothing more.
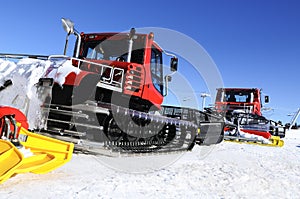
(294, 118)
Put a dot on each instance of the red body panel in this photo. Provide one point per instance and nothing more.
(223, 105)
(19, 116)
(145, 89)
(74, 79)
(149, 91)
(264, 134)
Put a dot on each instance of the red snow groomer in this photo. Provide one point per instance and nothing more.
(246, 99)
(114, 101)
(242, 108)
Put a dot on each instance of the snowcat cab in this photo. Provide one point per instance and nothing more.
(130, 65)
(245, 99)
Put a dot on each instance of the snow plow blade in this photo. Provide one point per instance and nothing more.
(57, 152)
(10, 159)
(274, 141)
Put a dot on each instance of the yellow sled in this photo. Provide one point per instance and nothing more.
(46, 155)
(275, 141)
(36, 161)
(10, 159)
(60, 150)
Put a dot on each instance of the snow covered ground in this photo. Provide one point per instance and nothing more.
(229, 170)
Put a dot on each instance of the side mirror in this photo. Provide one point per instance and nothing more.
(174, 64)
(168, 78)
(132, 33)
(267, 100)
(68, 25)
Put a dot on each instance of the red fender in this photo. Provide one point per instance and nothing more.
(19, 116)
(74, 79)
(264, 134)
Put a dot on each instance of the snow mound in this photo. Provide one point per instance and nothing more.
(25, 75)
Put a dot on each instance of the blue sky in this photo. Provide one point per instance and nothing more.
(254, 43)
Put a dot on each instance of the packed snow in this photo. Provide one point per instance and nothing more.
(226, 170)
(25, 73)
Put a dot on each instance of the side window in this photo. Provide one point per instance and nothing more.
(93, 50)
(94, 53)
(156, 69)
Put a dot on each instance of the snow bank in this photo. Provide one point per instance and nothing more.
(22, 94)
(60, 69)
(29, 69)
(25, 75)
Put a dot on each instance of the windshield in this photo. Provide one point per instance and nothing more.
(156, 69)
(115, 49)
(240, 96)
